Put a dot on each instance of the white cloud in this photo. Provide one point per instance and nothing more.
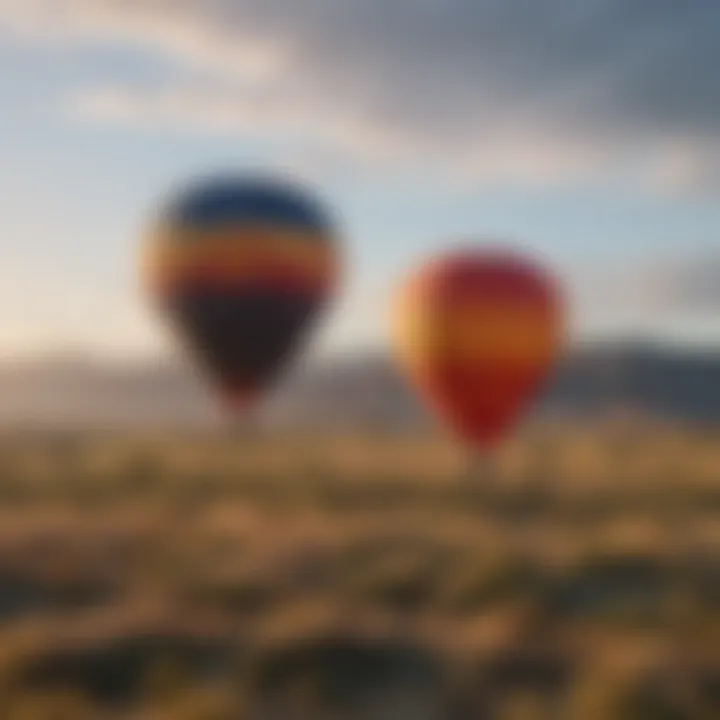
(500, 155)
(672, 292)
(245, 112)
(686, 284)
(195, 33)
(488, 92)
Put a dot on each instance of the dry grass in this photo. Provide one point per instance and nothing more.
(205, 578)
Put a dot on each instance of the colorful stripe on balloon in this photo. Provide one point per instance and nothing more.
(241, 256)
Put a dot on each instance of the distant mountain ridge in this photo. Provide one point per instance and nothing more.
(353, 391)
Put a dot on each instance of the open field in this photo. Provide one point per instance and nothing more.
(206, 577)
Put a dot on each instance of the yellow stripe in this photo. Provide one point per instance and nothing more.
(240, 262)
(476, 336)
(184, 241)
(239, 251)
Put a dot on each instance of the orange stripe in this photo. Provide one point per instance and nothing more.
(248, 264)
(222, 277)
(239, 262)
(228, 242)
(478, 334)
(173, 251)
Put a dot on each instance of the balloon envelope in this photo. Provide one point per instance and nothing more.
(478, 332)
(240, 266)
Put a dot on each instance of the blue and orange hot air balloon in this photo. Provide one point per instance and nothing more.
(241, 266)
(478, 331)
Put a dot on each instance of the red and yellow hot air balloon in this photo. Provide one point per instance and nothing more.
(478, 331)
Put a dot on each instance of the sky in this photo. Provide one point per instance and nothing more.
(586, 132)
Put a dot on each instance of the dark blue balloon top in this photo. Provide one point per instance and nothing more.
(228, 201)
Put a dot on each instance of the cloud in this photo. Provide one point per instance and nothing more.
(687, 285)
(196, 33)
(499, 91)
(675, 291)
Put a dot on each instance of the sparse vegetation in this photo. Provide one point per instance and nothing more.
(206, 577)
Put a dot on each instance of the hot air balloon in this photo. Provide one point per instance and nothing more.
(241, 266)
(478, 331)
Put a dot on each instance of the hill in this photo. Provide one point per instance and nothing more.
(350, 392)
